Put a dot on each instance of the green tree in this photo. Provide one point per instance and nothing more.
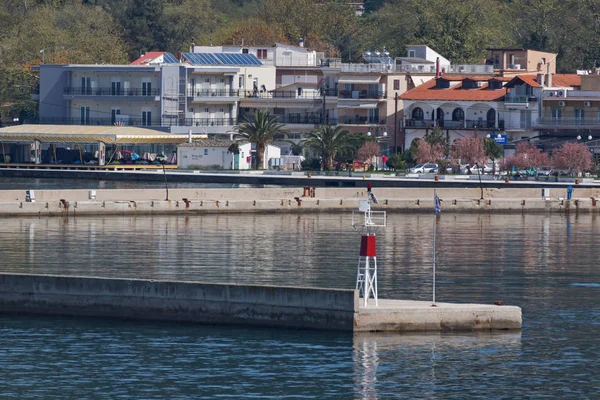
(493, 151)
(260, 130)
(327, 141)
(396, 161)
(437, 138)
(142, 22)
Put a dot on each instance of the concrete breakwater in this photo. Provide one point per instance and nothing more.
(186, 201)
(273, 306)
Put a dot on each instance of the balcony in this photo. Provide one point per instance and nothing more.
(88, 91)
(470, 69)
(342, 120)
(198, 122)
(362, 94)
(519, 102)
(292, 118)
(568, 122)
(281, 94)
(468, 124)
(212, 93)
(131, 121)
(139, 122)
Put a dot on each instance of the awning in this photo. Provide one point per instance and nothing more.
(368, 79)
(419, 80)
(88, 134)
(357, 105)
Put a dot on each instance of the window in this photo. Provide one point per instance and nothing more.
(556, 113)
(115, 88)
(113, 115)
(84, 113)
(206, 110)
(206, 80)
(222, 80)
(579, 114)
(458, 114)
(396, 84)
(261, 54)
(146, 118)
(417, 114)
(241, 82)
(86, 85)
(146, 88)
(411, 53)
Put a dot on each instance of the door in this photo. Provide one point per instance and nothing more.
(236, 161)
(84, 116)
(115, 88)
(146, 88)
(86, 85)
(113, 115)
(146, 118)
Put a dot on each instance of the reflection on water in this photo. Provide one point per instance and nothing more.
(548, 265)
(56, 184)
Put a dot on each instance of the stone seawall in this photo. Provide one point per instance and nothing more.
(291, 307)
(269, 200)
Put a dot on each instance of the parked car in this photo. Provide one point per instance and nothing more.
(423, 168)
(545, 171)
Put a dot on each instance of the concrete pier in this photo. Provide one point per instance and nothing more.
(72, 203)
(272, 306)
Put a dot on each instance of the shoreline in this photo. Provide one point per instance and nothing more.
(76, 202)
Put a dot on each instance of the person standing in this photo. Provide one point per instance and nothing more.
(384, 161)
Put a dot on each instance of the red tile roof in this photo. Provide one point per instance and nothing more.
(148, 57)
(531, 80)
(428, 91)
(565, 80)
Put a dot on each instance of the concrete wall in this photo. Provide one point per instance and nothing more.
(305, 308)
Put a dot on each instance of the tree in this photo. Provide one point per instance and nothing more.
(436, 137)
(367, 151)
(573, 156)
(528, 156)
(426, 152)
(396, 161)
(493, 151)
(327, 141)
(260, 130)
(469, 150)
(142, 24)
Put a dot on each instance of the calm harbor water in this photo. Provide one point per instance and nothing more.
(548, 265)
(55, 184)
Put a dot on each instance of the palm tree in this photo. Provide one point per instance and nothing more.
(260, 130)
(328, 141)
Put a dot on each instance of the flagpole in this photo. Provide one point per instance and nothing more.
(436, 211)
(434, 231)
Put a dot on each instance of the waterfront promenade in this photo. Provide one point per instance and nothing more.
(471, 199)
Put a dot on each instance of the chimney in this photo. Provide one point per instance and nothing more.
(192, 47)
(211, 41)
(190, 136)
(179, 56)
(301, 42)
(437, 67)
(540, 79)
(548, 76)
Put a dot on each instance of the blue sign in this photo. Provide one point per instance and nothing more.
(500, 139)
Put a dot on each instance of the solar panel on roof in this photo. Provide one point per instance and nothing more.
(170, 58)
(237, 59)
(201, 58)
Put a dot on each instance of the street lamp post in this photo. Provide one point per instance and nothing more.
(395, 122)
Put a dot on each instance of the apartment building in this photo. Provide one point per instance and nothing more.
(197, 92)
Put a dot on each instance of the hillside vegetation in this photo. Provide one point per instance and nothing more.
(118, 31)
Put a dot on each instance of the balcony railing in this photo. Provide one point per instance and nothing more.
(212, 93)
(310, 119)
(88, 91)
(97, 121)
(280, 94)
(198, 122)
(468, 124)
(569, 121)
(359, 121)
(362, 94)
(519, 99)
(330, 92)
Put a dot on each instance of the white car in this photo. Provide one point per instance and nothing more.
(424, 168)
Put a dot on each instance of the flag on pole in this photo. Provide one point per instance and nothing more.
(437, 208)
